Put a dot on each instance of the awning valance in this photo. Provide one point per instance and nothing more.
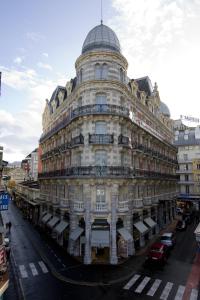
(150, 222)
(46, 218)
(100, 238)
(125, 234)
(60, 227)
(141, 227)
(74, 235)
(53, 222)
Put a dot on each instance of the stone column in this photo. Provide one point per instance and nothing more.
(87, 202)
(129, 219)
(113, 245)
(72, 219)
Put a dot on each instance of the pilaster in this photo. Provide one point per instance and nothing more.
(87, 202)
(114, 200)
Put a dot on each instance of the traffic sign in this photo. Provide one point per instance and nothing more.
(4, 200)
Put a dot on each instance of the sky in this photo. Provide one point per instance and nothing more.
(41, 40)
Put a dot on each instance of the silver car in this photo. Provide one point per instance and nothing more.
(168, 239)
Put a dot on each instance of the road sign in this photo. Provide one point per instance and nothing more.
(4, 200)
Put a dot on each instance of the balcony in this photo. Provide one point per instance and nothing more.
(64, 203)
(101, 207)
(123, 140)
(138, 203)
(91, 171)
(78, 140)
(147, 201)
(155, 200)
(184, 171)
(123, 206)
(101, 138)
(78, 206)
(154, 175)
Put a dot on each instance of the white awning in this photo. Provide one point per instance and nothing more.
(46, 218)
(53, 222)
(125, 234)
(150, 222)
(74, 235)
(100, 238)
(61, 227)
(141, 227)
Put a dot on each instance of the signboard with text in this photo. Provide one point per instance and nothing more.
(4, 200)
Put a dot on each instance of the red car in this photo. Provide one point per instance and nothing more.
(158, 253)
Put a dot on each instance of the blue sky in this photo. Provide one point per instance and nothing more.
(40, 41)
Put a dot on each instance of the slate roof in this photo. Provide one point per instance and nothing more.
(144, 84)
(190, 141)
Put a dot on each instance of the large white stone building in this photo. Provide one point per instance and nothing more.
(108, 180)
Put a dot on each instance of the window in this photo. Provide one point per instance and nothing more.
(100, 195)
(104, 71)
(100, 127)
(81, 75)
(122, 75)
(185, 156)
(97, 71)
(80, 102)
(186, 177)
(101, 99)
(101, 158)
(187, 189)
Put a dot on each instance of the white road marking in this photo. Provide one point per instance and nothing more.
(131, 282)
(23, 272)
(180, 292)
(166, 291)
(33, 269)
(142, 285)
(43, 267)
(154, 287)
(194, 294)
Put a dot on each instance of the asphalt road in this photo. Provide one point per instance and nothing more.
(32, 279)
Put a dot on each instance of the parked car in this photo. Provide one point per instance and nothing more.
(168, 239)
(158, 253)
(181, 225)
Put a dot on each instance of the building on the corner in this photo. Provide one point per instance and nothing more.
(108, 181)
(187, 140)
(30, 165)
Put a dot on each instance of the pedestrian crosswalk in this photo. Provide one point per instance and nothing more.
(156, 288)
(33, 269)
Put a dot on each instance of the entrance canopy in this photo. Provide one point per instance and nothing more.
(46, 218)
(150, 222)
(53, 222)
(125, 234)
(74, 235)
(100, 238)
(141, 227)
(61, 227)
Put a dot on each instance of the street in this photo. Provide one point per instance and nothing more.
(38, 269)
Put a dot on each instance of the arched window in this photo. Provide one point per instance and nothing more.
(104, 71)
(100, 194)
(97, 71)
(100, 158)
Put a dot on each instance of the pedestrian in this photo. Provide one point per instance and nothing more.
(8, 252)
(9, 226)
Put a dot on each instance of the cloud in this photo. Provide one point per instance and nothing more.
(44, 66)
(45, 54)
(35, 36)
(160, 39)
(20, 131)
(18, 60)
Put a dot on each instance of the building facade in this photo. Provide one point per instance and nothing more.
(187, 139)
(108, 180)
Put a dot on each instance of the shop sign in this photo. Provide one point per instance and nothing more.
(4, 200)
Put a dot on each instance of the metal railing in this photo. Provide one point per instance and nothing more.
(101, 138)
(123, 140)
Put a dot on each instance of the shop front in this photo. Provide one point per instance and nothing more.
(140, 234)
(124, 243)
(100, 244)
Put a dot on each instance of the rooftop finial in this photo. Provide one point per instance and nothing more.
(101, 12)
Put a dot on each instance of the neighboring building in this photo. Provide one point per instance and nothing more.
(15, 174)
(4, 275)
(187, 139)
(108, 180)
(30, 165)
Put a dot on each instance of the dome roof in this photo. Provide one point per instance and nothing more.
(101, 37)
(164, 109)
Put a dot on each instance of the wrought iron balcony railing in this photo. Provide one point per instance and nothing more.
(123, 140)
(101, 138)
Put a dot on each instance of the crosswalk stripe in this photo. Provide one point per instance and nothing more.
(43, 267)
(23, 272)
(166, 291)
(33, 269)
(142, 285)
(180, 292)
(194, 294)
(154, 287)
(131, 282)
